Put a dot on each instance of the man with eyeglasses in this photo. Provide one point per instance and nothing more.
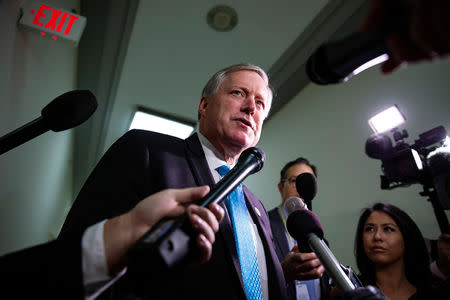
(301, 270)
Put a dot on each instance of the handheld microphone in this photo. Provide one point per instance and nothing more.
(305, 226)
(64, 112)
(168, 243)
(337, 61)
(306, 185)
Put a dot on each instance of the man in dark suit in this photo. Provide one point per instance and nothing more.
(62, 268)
(301, 270)
(234, 103)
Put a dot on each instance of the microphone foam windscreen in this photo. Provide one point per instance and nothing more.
(301, 223)
(306, 185)
(69, 110)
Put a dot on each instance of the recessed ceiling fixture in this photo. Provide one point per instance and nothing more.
(149, 120)
(222, 18)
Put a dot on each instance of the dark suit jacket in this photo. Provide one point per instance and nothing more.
(141, 163)
(282, 249)
(48, 271)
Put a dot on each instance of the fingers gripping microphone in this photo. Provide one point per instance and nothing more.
(305, 226)
(168, 244)
(66, 111)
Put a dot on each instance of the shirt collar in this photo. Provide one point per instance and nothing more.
(213, 157)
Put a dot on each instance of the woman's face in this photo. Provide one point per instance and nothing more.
(382, 239)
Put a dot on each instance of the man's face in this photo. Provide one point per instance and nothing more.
(232, 118)
(287, 188)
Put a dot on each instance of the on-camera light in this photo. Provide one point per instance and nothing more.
(387, 120)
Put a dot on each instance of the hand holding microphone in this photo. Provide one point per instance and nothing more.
(301, 263)
(168, 244)
(394, 32)
(427, 33)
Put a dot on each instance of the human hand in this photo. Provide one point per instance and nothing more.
(443, 249)
(301, 266)
(121, 232)
(206, 223)
(427, 35)
(363, 293)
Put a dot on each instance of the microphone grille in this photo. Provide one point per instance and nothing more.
(292, 204)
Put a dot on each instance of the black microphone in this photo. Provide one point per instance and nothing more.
(66, 111)
(306, 185)
(168, 244)
(305, 226)
(337, 61)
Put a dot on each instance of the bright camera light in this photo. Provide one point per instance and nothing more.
(386, 120)
(146, 121)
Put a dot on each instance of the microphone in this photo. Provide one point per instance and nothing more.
(337, 61)
(306, 185)
(64, 112)
(292, 204)
(305, 226)
(168, 244)
(250, 161)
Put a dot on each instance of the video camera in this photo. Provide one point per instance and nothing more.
(426, 162)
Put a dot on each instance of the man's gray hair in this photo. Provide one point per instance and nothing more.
(216, 80)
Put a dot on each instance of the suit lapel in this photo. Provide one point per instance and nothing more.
(197, 161)
(279, 234)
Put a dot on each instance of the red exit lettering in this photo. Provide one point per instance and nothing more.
(51, 24)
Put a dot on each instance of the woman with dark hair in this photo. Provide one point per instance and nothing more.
(391, 253)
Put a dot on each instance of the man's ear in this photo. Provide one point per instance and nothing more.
(280, 186)
(202, 106)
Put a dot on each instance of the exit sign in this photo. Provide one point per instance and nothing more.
(52, 22)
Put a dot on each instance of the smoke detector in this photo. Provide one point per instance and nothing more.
(222, 18)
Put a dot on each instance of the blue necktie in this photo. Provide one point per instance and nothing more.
(244, 240)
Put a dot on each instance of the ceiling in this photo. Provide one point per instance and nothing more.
(159, 55)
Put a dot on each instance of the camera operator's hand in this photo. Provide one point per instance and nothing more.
(363, 293)
(427, 37)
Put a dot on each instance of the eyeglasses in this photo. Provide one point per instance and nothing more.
(291, 181)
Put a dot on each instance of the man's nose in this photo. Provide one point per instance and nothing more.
(249, 105)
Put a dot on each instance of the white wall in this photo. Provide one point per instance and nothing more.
(36, 177)
(328, 125)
